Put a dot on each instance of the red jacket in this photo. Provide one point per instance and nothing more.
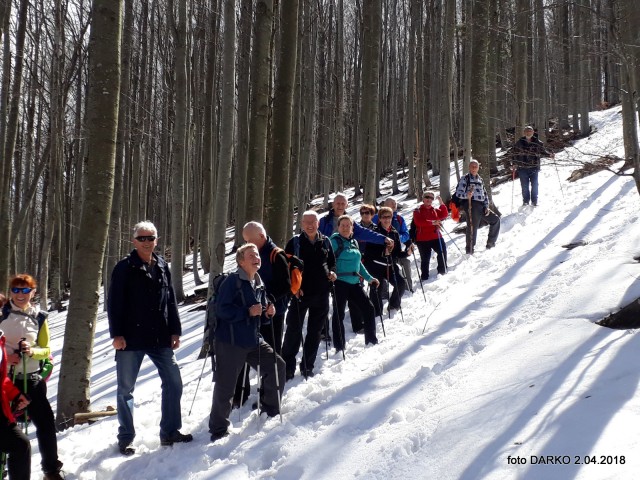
(423, 218)
(8, 390)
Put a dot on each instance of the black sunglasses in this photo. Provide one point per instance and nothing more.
(21, 289)
(429, 197)
(146, 238)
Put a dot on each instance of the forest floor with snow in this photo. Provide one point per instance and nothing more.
(511, 373)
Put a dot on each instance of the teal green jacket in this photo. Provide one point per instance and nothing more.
(349, 266)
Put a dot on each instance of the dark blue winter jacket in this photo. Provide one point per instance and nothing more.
(235, 327)
(359, 232)
(141, 304)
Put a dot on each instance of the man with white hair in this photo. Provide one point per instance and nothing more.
(315, 250)
(143, 320)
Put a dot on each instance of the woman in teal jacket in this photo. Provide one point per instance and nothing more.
(350, 270)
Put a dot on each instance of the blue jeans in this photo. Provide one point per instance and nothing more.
(529, 176)
(127, 367)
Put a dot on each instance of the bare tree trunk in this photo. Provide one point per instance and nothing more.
(227, 121)
(115, 217)
(180, 151)
(278, 209)
(260, 79)
(445, 95)
(9, 138)
(371, 94)
(102, 121)
(308, 107)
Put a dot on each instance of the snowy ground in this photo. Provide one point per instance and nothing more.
(511, 368)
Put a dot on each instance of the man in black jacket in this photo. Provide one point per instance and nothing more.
(526, 158)
(143, 320)
(315, 250)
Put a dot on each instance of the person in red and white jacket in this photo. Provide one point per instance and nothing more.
(12, 441)
(427, 220)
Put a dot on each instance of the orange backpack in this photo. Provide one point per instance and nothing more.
(455, 213)
(295, 268)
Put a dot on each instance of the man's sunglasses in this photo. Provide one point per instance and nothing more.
(428, 197)
(146, 238)
(21, 290)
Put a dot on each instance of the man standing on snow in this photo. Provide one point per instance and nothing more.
(474, 200)
(241, 307)
(315, 251)
(526, 158)
(143, 320)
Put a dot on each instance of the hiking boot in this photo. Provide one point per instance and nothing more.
(360, 331)
(307, 374)
(289, 376)
(176, 437)
(217, 436)
(490, 245)
(126, 449)
(270, 411)
(53, 476)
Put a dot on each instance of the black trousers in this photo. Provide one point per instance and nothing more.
(16, 444)
(230, 361)
(356, 296)
(386, 276)
(425, 248)
(39, 410)
(318, 308)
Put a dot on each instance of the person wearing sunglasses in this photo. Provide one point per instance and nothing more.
(144, 320)
(27, 342)
(400, 224)
(382, 263)
(427, 220)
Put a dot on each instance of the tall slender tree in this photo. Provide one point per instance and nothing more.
(101, 123)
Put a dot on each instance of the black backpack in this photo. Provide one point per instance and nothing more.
(211, 320)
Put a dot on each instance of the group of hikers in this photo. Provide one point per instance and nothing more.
(259, 313)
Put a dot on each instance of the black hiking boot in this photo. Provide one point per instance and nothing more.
(177, 437)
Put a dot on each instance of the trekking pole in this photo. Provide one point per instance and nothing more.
(470, 226)
(513, 185)
(259, 406)
(558, 174)
(198, 385)
(335, 309)
(454, 242)
(244, 376)
(442, 252)
(275, 367)
(419, 276)
(24, 383)
(425, 323)
(380, 305)
(395, 287)
(302, 359)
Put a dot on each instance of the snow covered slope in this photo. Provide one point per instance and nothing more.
(510, 370)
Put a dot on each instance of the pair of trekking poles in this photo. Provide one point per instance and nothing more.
(244, 374)
(3, 457)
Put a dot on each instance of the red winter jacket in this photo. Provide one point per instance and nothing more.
(423, 218)
(8, 390)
